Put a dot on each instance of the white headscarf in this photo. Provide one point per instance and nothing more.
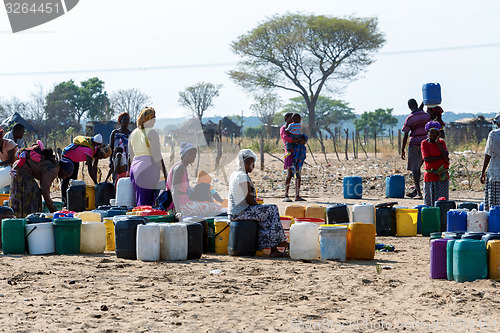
(185, 147)
(243, 155)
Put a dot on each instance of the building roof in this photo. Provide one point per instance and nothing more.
(16, 118)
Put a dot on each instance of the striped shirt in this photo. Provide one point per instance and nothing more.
(415, 126)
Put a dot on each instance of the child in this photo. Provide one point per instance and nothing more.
(119, 166)
(294, 130)
(203, 191)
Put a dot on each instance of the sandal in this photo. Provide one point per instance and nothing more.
(300, 199)
(418, 197)
(411, 194)
(287, 199)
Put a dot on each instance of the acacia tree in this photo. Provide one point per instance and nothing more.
(265, 108)
(131, 101)
(375, 122)
(198, 98)
(305, 53)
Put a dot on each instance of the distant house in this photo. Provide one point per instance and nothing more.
(16, 118)
(468, 130)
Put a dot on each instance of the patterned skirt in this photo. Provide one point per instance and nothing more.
(491, 194)
(270, 231)
(25, 195)
(436, 190)
(198, 208)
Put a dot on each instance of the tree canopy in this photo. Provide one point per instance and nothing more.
(305, 53)
(265, 107)
(199, 97)
(375, 122)
(131, 101)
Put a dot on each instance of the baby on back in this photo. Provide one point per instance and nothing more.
(294, 130)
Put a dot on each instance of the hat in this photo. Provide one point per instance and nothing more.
(185, 147)
(97, 138)
(106, 151)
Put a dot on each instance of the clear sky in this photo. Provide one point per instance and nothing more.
(455, 43)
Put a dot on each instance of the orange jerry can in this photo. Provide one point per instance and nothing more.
(360, 241)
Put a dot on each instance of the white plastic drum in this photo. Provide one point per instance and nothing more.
(5, 176)
(304, 241)
(364, 213)
(173, 241)
(477, 221)
(125, 195)
(148, 242)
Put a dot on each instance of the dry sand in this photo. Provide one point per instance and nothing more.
(100, 293)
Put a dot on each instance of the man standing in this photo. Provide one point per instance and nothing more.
(414, 127)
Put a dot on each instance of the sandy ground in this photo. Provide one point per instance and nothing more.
(100, 293)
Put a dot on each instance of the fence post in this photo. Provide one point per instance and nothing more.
(399, 141)
(355, 153)
(346, 143)
(375, 137)
(262, 152)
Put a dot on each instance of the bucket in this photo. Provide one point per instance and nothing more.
(110, 233)
(221, 235)
(406, 222)
(13, 240)
(67, 231)
(332, 243)
(148, 242)
(93, 237)
(89, 197)
(40, 238)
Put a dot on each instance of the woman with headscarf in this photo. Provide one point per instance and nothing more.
(436, 162)
(145, 153)
(25, 194)
(8, 150)
(490, 175)
(243, 206)
(119, 138)
(178, 184)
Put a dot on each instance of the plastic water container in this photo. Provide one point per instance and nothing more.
(467, 205)
(353, 187)
(304, 242)
(452, 235)
(93, 237)
(5, 176)
(110, 233)
(125, 195)
(419, 219)
(456, 220)
(319, 222)
(469, 260)
(40, 238)
(385, 220)
(477, 221)
(148, 242)
(295, 211)
(67, 232)
(438, 259)
(13, 236)
(361, 241)
(211, 234)
(332, 243)
(337, 213)
(315, 211)
(481, 206)
(90, 197)
(126, 236)
(449, 259)
(490, 236)
(364, 213)
(395, 186)
(494, 219)
(59, 206)
(242, 238)
(88, 216)
(406, 222)
(431, 220)
(431, 93)
(493, 248)
(221, 235)
(112, 202)
(76, 198)
(115, 212)
(203, 222)
(444, 206)
(473, 235)
(195, 240)
(173, 241)
(104, 192)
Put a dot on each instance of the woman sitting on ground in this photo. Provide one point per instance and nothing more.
(243, 206)
(178, 184)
